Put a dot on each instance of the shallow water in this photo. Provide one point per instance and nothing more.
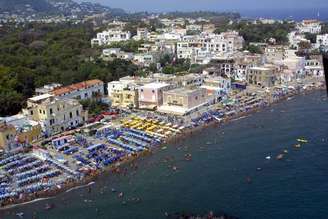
(222, 175)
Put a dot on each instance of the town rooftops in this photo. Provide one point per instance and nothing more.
(77, 86)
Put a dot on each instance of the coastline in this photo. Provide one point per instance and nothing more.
(115, 168)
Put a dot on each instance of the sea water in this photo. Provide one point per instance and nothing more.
(228, 173)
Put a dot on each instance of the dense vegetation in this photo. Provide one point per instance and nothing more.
(38, 54)
(127, 46)
(259, 32)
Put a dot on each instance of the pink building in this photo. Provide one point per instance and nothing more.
(151, 95)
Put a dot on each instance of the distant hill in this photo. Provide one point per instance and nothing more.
(55, 7)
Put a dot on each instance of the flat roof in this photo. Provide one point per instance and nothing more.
(40, 97)
(155, 85)
(183, 90)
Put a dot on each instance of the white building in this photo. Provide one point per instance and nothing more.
(83, 90)
(142, 34)
(108, 54)
(110, 36)
(47, 88)
(309, 26)
(322, 40)
(144, 59)
(151, 94)
(115, 86)
(314, 67)
(203, 46)
(295, 38)
(218, 86)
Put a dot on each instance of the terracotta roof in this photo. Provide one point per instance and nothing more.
(310, 21)
(77, 86)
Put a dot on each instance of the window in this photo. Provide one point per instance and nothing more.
(31, 112)
(153, 91)
(50, 110)
(77, 113)
(44, 112)
(70, 115)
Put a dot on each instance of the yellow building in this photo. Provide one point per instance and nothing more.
(27, 130)
(125, 98)
(7, 134)
(55, 115)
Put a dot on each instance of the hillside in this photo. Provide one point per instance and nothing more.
(54, 7)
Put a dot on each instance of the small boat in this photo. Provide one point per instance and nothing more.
(259, 169)
(20, 214)
(164, 148)
(302, 140)
(49, 206)
(297, 145)
(120, 195)
(188, 157)
(280, 156)
(268, 157)
(113, 190)
(286, 151)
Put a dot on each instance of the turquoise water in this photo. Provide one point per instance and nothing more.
(222, 175)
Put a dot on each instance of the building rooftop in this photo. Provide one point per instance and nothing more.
(40, 97)
(183, 91)
(19, 121)
(155, 85)
(77, 86)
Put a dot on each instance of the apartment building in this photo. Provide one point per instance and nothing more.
(126, 98)
(151, 94)
(262, 76)
(322, 40)
(205, 44)
(217, 86)
(180, 101)
(7, 135)
(83, 90)
(110, 36)
(309, 26)
(27, 130)
(54, 115)
(46, 89)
